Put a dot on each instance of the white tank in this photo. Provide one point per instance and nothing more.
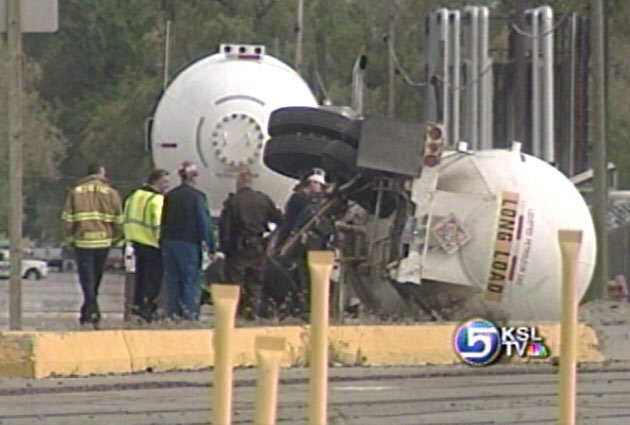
(215, 113)
(494, 221)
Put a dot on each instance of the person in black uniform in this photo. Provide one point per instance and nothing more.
(244, 219)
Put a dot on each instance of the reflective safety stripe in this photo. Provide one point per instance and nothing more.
(92, 188)
(92, 215)
(97, 243)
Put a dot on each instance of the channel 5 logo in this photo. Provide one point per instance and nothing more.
(479, 342)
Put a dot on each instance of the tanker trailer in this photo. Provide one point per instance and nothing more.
(215, 113)
(489, 220)
(421, 220)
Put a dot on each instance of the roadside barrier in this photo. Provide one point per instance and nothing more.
(320, 265)
(570, 243)
(225, 298)
(269, 350)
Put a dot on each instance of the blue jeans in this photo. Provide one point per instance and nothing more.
(182, 269)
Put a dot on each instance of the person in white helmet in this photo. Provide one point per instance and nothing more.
(302, 202)
(299, 208)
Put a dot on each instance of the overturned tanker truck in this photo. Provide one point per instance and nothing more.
(424, 229)
(419, 228)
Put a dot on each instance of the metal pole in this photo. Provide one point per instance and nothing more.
(536, 148)
(548, 127)
(167, 48)
(298, 42)
(430, 107)
(485, 80)
(606, 70)
(600, 184)
(472, 78)
(456, 40)
(358, 84)
(446, 89)
(572, 89)
(520, 81)
(391, 91)
(15, 163)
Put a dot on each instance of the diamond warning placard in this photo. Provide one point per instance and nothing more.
(450, 234)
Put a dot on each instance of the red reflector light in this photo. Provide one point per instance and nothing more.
(250, 57)
(435, 133)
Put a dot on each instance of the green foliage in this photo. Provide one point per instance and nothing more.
(43, 147)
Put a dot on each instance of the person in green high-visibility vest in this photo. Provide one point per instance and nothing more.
(143, 214)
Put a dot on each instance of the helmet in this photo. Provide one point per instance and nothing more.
(187, 169)
(318, 176)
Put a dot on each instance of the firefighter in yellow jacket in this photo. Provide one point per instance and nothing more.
(92, 223)
(143, 213)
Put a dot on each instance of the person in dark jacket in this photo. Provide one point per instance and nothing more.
(302, 203)
(300, 207)
(244, 220)
(186, 225)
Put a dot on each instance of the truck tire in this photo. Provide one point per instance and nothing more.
(294, 155)
(291, 120)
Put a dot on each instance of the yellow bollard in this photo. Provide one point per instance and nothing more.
(320, 264)
(269, 351)
(225, 299)
(570, 242)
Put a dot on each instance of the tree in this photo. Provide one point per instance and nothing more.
(44, 148)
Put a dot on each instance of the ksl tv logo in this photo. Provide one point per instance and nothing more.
(480, 342)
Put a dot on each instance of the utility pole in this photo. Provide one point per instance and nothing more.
(299, 33)
(21, 16)
(597, 289)
(14, 38)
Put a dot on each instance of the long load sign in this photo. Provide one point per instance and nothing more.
(500, 264)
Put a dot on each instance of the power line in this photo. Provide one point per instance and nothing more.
(543, 35)
(399, 68)
(471, 82)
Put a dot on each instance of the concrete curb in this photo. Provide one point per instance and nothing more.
(44, 354)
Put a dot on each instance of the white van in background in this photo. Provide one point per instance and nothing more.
(31, 269)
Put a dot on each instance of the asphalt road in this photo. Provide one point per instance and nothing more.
(497, 394)
(54, 302)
